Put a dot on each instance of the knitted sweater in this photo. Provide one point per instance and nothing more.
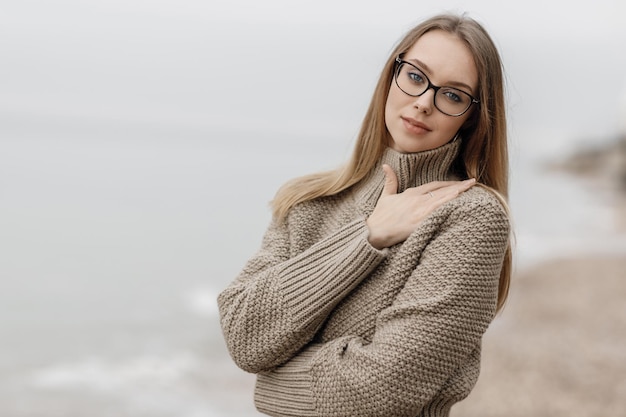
(335, 327)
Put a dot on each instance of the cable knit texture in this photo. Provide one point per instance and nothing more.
(335, 327)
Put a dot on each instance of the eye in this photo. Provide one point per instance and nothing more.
(416, 76)
(454, 96)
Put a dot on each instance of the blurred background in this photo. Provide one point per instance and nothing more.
(140, 144)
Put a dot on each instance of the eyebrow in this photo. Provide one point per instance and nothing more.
(451, 83)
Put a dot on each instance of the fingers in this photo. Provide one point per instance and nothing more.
(396, 216)
(391, 181)
(446, 193)
(436, 185)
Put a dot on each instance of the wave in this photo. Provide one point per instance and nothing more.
(107, 375)
(532, 249)
(181, 384)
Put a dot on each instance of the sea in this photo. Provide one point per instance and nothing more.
(119, 227)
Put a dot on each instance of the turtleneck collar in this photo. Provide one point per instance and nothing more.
(412, 170)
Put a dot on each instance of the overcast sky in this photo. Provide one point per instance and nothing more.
(210, 63)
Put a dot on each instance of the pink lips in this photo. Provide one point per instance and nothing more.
(414, 126)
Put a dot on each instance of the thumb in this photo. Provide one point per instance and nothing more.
(391, 181)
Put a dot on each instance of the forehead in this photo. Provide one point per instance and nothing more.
(446, 58)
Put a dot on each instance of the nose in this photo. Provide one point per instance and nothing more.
(426, 101)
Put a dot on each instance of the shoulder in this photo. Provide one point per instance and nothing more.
(480, 198)
(480, 205)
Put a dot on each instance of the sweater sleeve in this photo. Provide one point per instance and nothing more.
(433, 327)
(278, 302)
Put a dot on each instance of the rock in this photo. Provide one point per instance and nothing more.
(605, 164)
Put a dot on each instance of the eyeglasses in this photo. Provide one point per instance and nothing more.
(413, 82)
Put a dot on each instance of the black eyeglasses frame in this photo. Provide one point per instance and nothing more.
(400, 61)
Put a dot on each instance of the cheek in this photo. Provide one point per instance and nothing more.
(393, 104)
(456, 123)
(396, 97)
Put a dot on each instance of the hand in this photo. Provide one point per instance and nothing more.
(396, 216)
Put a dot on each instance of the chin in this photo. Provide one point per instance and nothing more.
(414, 144)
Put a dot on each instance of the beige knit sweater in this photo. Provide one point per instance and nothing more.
(335, 327)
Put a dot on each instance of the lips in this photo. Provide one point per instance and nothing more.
(415, 126)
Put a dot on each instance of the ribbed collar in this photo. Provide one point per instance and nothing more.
(412, 170)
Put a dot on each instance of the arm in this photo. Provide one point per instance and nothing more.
(277, 303)
(434, 325)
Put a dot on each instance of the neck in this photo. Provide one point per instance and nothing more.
(412, 170)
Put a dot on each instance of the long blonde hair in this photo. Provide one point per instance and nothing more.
(483, 153)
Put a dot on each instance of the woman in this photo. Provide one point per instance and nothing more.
(375, 282)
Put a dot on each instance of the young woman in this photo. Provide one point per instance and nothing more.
(375, 282)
